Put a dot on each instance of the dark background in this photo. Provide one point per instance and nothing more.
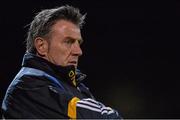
(131, 52)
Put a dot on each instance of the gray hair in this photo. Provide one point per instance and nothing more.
(44, 20)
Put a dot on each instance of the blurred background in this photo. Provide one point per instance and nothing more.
(131, 52)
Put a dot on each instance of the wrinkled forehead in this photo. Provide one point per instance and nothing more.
(67, 28)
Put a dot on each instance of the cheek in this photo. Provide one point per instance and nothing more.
(65, 51)
(61, 54)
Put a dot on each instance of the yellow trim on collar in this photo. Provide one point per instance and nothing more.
(72, 77)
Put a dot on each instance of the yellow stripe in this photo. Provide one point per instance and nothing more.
(72, 107)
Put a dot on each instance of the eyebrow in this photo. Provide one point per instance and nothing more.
(80, 40)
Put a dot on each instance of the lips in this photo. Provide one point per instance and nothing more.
(72, 63)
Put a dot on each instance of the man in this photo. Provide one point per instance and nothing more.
(49, 83)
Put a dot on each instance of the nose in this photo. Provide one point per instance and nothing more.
(76, 50)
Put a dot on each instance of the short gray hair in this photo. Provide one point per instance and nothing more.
(44, 20)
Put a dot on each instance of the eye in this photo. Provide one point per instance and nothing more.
(80, 41)
(69, 41)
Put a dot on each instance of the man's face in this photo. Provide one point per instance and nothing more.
(64, 44)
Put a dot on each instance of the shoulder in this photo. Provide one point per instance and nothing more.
(31, 78)
(31, 82)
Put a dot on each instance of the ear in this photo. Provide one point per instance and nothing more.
(41, 46)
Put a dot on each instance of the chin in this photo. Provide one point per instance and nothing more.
(75, 66)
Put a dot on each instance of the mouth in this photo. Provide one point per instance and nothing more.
(72, 63)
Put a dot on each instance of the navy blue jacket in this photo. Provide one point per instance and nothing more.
(44, 90)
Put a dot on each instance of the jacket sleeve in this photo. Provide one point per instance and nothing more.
(90, 109)
(87, 108)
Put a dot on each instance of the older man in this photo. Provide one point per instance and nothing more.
(49, 83)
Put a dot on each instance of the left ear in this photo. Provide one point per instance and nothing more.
(41, 46)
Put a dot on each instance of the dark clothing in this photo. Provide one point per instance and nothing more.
(44, 90)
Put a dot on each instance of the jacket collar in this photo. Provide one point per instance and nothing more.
(68, 74)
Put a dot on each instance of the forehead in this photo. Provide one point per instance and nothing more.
(66, 29)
